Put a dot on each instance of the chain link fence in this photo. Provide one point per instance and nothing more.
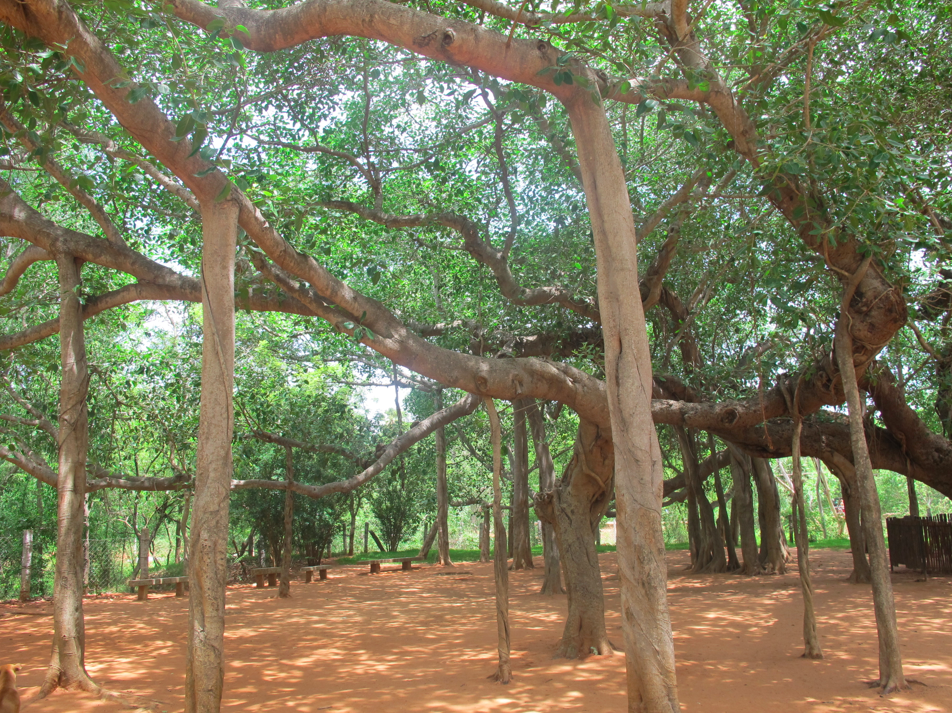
(109, 564)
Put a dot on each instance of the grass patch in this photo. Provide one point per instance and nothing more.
(832, 543)
(676, 545)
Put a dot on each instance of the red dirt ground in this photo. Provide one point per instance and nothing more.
(425, 641)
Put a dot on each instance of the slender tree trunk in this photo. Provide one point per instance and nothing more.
(694, 527)
(575, 508)
(208, 571)
(811, 639)
(353, 526)
(521, 546)
(500, 565)
(67, 665)
(846, 474)
(891, 677)
(913, 498)
(819, 501)
(744, 502)
(284, 587)
(366, 533)
(484, 535)
(552, 581)
(429, 539)
(86, 553)
(710, 552)
(773, 554)
(26, 562)
(725, 523)
(186, 506)
(442, 490)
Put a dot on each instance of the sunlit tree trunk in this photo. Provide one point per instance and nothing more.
(208, 572)
(521, 546)
(552, 580)
(284, 588)
(442, 490)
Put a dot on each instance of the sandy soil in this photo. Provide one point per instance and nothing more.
(425, 641)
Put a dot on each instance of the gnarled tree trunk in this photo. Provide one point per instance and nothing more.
(552, 580)
(207, 568)
(574, 508)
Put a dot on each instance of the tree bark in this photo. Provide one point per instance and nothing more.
(744, 502)
(67, 665)
(773, 551)
(574, 508)
(521, 546)
(891, 677)
(284, 588)
(442, 490)
(552, 579)
(646, 623)
(500, 565)
(186, 507)
(208, 573)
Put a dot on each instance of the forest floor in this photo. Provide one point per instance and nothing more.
(425, 641)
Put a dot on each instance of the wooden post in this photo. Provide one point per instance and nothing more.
(323, 574)
(26, 564)
(366, 535)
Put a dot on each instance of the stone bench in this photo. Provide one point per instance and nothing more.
(144, 584)
(309, 572)
(404, 563)
(272, 574)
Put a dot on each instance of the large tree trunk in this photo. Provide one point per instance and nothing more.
(744, 502)
(574, 508)
(208, 572)
(442, 490)
(500, 565)
(67, 664)
(521, 546)
(646, 623)
(710, 547)
(891, 677)
(913, 498)
(773, 554)
(845, 473)
(284, 588)
(552, 580)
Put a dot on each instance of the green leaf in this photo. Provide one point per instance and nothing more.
(137, 94)
(206, 171)
(216, 25)
(225, 192)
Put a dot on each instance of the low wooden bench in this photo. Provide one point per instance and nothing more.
(144, 584)
(309, 572)
(272, 574)
(404, 563)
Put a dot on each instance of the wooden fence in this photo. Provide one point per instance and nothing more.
(922, 543)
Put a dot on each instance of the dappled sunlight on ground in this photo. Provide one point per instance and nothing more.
(425, 641)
